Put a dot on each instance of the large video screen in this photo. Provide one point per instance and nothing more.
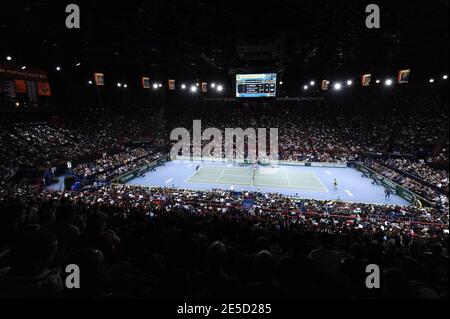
(256, 85)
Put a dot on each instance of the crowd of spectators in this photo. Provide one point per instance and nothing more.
(367, 133)
(304, 135)
(166, 243)
(311, 138)
(40, 145)
(421, 169)
(422, 127)
(111, 166)
(310, 135)
(133, 165)
(435, 197)
(321, 134)
(137, 242)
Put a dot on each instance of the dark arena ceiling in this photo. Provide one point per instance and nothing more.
(198, 38)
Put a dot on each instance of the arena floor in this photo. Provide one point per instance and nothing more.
(305, 182)
(263, 177)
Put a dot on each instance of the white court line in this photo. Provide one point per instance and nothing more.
(318, 189)
(190, 176)
(258, 176)
(264, 177)
(224, 182)
(321, 183)
(289, 181)
(348, 193)
(228, 170)
(221, 174)
(169, 180)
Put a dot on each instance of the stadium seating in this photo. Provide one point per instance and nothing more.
(156, 242)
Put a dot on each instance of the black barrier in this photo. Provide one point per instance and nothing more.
(416, 178)
(394, 187)
(141, 170)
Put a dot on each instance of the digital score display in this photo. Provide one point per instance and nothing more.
(256, 85)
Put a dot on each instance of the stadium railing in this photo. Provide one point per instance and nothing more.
(416, 178)
(397, 189)
(140, 170)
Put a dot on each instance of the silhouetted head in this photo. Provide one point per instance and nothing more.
(436, 250)
(394, 284)
(216, 255)
(327, 240)
(297, 242)
(413, 269)
(12, 215)
(357, 251)
(65, 213)
(262, 243)
(264, 265)
(96, 223)
(33, 253)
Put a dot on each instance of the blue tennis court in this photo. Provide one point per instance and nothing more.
(301, 181)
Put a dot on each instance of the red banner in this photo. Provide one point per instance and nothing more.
(44, 89)
(21, 86)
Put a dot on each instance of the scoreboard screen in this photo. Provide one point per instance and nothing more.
(256, 85)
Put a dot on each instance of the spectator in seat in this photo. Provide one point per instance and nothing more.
(215, 282)
(437, 267)
(354, 267)
(94, 237)
(11, 220)
(325, 258)
(265, 287)
(29, 275)
(395, 285)
(63, 227)
(297, 271)
(418, 280)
